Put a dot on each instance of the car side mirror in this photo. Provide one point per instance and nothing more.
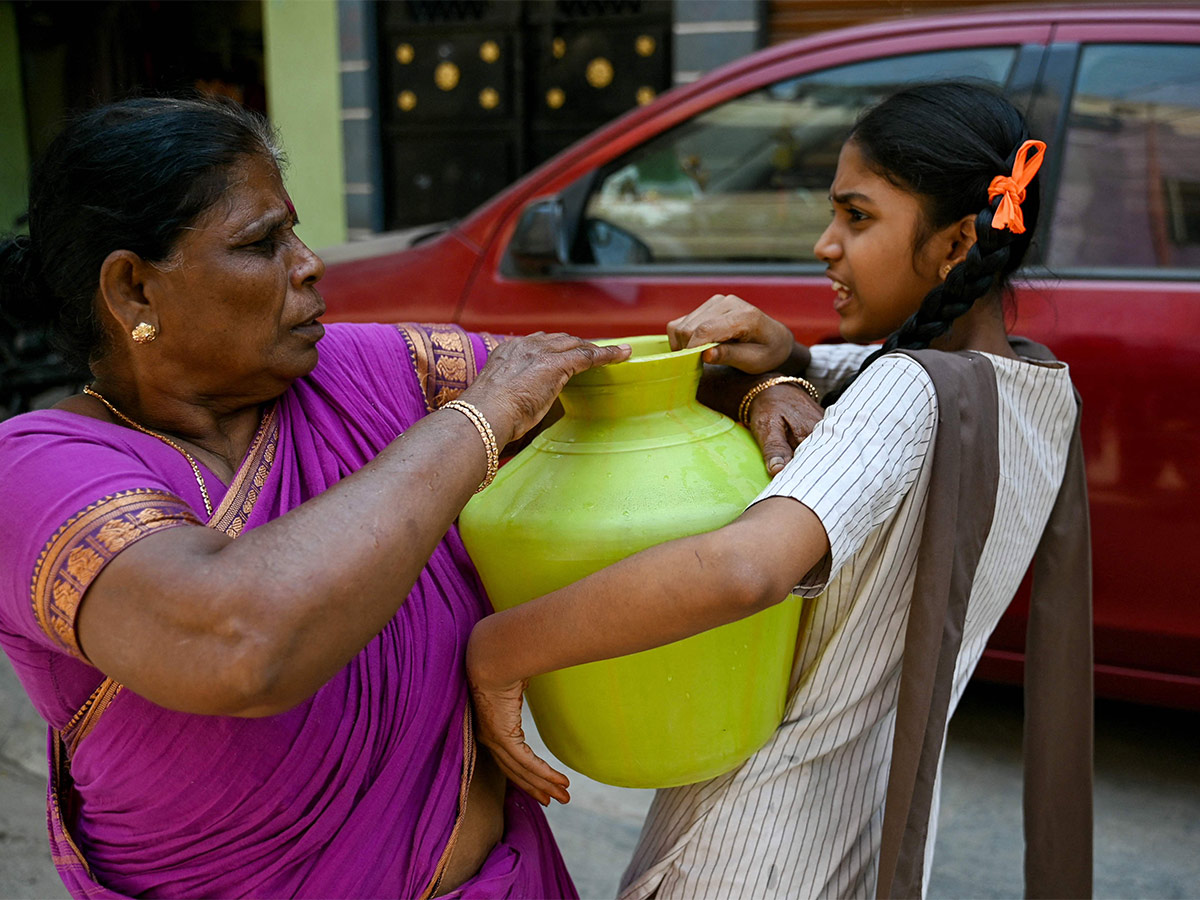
(539, 242)
(614, 246)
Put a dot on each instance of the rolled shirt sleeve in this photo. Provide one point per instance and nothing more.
(861, 459)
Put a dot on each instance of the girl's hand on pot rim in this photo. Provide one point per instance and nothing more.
(748, 338)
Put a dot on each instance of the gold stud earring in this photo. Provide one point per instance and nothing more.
(143, 333)
(945, 270)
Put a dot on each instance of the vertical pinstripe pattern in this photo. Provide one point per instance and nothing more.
(832, 364)
(802, 817)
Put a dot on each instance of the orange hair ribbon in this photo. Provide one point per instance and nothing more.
(1011, 188)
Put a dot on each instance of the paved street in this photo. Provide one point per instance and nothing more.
(25, 869)
(1147, 806)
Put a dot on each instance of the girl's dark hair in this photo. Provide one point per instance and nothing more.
(128, 176)
(945, 142)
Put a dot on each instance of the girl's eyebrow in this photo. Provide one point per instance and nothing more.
(848, 197)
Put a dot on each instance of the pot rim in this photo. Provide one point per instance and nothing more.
(664, 363)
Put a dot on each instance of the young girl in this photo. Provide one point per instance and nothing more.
(911, 514)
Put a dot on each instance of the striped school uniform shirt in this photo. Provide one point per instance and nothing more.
(803, 816)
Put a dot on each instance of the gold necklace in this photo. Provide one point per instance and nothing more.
(87, 389)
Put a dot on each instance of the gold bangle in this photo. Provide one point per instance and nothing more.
(485, 431)
(744, 406)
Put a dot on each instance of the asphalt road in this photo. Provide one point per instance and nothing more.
(1147, 805)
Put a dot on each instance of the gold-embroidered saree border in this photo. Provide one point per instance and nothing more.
(464, 788)
(60, 810)
(88, 715)
(443, 358)
(235, 509)
(74, 556)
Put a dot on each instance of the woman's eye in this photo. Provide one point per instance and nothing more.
(266, 245)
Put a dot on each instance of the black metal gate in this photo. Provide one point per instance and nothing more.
(477, 92)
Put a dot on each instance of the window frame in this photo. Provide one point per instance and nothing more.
(1053, 98)
(1019, 87)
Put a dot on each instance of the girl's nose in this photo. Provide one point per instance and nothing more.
(827, 247)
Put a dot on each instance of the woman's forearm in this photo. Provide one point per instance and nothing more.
(798, 360)
(373, 533)
(193, 620)
(723, 387)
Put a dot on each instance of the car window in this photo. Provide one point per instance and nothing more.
(1129, 194)
(748, 181)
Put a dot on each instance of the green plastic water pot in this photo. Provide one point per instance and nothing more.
(636, 461)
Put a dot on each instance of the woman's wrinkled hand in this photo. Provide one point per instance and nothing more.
(524, 375)
(780, 418)
(748, 339)
(498, 727)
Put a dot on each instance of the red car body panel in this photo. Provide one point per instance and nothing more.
(1133, 345)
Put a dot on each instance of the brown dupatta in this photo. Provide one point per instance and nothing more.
(1058, 667)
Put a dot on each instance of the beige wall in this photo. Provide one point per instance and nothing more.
(300, 47)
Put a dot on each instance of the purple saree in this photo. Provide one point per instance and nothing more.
(353, 793)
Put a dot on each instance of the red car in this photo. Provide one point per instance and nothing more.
(721, 186)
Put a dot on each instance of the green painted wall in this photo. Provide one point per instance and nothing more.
(14, 150)
(300, 43)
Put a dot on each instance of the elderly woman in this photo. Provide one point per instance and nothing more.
(231, 581)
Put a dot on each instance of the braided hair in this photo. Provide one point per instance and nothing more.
(128, 176)
(945, 143)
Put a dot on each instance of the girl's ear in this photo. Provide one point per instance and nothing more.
(961, 239)
(122, 289)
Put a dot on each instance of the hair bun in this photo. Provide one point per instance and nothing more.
(22, 290)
